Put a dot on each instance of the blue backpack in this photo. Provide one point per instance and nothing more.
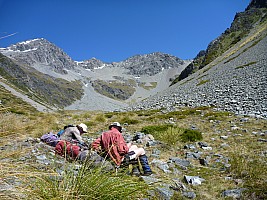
(50, 138)
(62, 130)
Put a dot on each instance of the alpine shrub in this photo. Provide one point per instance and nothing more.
(152, 129)
(191, 136)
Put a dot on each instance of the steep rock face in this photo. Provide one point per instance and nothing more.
(150, 64)
(240, 28)
(40, 51)
(243, 22)
(92, 63)
(192, 67)
(257, 4)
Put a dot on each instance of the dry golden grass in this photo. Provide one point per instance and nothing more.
(241, 143)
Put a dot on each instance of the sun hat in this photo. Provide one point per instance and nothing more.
(115, 124)
(83, 126)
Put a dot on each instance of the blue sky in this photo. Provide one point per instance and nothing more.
(114, 30)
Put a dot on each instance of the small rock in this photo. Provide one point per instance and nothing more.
(207, 148)
(235, 193)
(224, 137)
(149, 179)
(178, 185)
(194, 180)
(189, 195)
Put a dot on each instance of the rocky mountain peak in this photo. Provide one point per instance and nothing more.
(40, 52)
(150, 64)
(92, 63)
(138, 65)
(28, 45)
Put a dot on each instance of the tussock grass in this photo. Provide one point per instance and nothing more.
(100, 118)
(247, 164)
(87, 184)
(129, 120)
(171, 135)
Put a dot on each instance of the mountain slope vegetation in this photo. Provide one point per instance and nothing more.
(40, 87)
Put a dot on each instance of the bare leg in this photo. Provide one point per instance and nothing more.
(129, 145)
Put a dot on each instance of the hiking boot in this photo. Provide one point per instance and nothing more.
(147, 173)
(135, 171)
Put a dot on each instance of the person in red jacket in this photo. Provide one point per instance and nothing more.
(112, 144)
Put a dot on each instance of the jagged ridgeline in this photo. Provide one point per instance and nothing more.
(40, 87)
(244, 22)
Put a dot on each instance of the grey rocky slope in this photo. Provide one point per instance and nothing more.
(235, 81)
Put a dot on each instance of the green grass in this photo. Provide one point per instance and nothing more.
(129, 120)
(179, 114)
(156, 128)
(171, 135)
(100, 118)
(11, 103)
(203, 82)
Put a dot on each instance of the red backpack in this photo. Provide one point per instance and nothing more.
(67, 149)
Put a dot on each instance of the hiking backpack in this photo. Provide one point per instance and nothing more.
(50, 138)
(67, 149)
(62, 130)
